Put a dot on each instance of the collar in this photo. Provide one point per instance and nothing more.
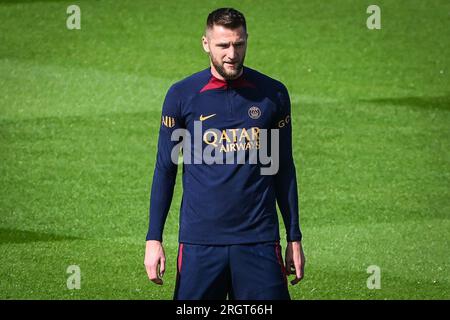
(215, 83)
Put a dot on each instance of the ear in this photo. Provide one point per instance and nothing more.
(205, 44)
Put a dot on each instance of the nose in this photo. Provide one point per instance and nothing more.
(232, 54)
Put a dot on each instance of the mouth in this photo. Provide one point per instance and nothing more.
(230, 64)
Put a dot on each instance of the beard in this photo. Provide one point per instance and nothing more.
(227, 74)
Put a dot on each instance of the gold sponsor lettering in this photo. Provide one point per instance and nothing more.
(233, 131)
(224, 136)
(206, 140)
(255, 133)
(223, 148)
(240, 146)
(233, 139)
(244, 133)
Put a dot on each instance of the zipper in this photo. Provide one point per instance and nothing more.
(229, 104)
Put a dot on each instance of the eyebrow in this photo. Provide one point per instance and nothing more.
(239, 42)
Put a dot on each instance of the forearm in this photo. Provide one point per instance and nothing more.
(287, 198)
(160, 200)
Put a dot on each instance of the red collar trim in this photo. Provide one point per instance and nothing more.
(215, 83)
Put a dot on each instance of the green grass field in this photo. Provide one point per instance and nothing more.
(80, 112)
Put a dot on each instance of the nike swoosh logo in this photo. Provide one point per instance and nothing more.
(202, 118)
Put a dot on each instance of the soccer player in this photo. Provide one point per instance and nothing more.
(229, 231)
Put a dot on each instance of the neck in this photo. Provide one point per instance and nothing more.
(218, 76)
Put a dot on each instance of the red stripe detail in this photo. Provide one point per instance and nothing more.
(280, 259)
(180, 258)
(215, 83)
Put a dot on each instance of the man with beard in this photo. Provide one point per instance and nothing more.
(229, 230)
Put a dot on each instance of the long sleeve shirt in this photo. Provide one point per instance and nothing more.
(230, 202)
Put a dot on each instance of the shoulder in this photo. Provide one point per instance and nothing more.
(270, 86)
(190, 85)
(264, 81)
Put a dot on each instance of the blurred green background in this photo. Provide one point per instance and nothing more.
(80, 112)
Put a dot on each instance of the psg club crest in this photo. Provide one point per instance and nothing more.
(254, 112)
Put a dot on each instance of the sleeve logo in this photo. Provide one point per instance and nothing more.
(168, 122)
(284, 122)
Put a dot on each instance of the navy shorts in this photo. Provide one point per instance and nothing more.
(239, 272)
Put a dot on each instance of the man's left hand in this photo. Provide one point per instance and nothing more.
(295, 260)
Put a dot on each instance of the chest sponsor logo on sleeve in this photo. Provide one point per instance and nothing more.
(254, 112)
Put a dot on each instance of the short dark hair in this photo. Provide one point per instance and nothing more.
(226, 17)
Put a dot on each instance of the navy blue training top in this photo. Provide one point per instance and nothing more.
(226, 204)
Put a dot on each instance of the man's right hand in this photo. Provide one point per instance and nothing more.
(155, 261)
